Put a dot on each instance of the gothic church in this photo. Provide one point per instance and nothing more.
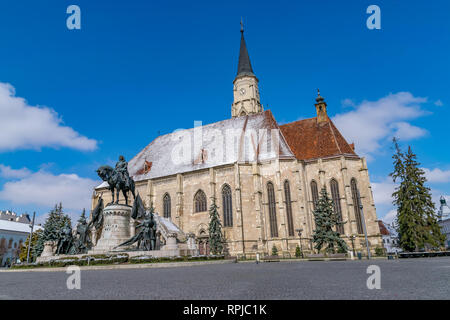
(266, 189)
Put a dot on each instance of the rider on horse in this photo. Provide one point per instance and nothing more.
(118, 179)
(122, 171)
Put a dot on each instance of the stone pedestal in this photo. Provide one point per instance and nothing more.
(132, 227)
(116, 228)
(49, 249)
(171, 242)
(191, 244)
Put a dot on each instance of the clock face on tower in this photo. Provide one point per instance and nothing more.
(242, 91)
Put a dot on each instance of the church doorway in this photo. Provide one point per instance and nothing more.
(203, 243)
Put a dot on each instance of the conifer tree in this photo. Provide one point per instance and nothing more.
(298, 252)
(215, 230)
(82, 217)
(417, 223)
(274, 250)
(24, 249)
(55, 221)
(326, 219)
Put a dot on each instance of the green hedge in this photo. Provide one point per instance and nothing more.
(92, 260)
(148, 259)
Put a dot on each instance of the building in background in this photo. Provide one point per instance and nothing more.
(14, 230)
(390, 237)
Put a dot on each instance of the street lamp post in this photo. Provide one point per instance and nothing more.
(363, 223)
(299, 231)
(352, 238)
(29, 239)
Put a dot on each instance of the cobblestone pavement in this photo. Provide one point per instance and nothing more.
(400, 279)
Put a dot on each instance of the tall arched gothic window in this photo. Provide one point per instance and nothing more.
(227, 206)
(272, 210)
(334, 186)
(314, 193)
(166, 206)
(200, 201)
(356, 201)
(287, 195)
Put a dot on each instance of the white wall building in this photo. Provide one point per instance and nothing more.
(390, 237)
(14, 230)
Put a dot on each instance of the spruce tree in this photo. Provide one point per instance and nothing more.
(298, 252)
(55, 221)
(326, 220)
(274, 251)
(417, 223)
(82, 218)
(215, 230)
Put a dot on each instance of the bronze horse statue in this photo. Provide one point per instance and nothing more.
(116, 182)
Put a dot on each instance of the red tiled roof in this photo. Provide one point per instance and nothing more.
(310, 140)
(383, 230)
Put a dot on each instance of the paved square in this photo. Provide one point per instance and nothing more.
(400, 279)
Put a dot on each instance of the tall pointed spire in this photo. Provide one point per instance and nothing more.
(245, 86)
(244, 66)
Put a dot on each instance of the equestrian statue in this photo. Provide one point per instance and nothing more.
(118, 179)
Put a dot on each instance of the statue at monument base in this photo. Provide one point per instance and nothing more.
(65, 241)
(117, 227)
(49, 249)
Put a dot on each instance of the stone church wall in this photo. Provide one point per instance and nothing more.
(251, 227)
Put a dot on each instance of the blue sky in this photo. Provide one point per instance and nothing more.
(151, 67)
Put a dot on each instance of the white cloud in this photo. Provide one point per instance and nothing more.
(32, 127)
(436, 195)
(348, 103)
(437, 175)
(382, 192)
(390, 216)
(45, 189)
(382, 195)
(404, 130)
(9, 173)
(438, 103)
(372, 123)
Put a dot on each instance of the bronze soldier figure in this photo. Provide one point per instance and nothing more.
(65, 240)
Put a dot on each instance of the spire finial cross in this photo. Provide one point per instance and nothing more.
(319, 97)
(242, 25)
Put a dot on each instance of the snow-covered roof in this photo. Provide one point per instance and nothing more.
(167, 223)
(12, 216)
(17, 226)
(241, 139)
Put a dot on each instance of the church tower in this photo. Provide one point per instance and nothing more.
(246, 93)
(321, 108)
